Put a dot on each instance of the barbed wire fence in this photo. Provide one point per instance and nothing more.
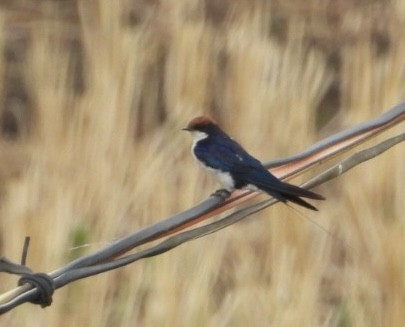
(38, 287)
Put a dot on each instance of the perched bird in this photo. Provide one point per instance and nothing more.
(235, 168)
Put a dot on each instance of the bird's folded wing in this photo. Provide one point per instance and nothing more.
(226, 155)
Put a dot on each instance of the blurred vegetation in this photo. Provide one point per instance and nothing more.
(93, 96)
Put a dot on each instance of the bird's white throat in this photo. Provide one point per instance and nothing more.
(198, 136)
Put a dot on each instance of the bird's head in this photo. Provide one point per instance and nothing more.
(201, 127)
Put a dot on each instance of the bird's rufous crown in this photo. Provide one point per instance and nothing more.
(199, 121)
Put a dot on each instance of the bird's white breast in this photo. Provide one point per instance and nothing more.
(224, 178)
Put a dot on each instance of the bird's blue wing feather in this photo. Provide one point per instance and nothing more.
(226, 155)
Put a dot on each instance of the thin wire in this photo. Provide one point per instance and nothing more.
(327, 231)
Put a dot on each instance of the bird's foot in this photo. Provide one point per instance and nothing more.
(222, 193)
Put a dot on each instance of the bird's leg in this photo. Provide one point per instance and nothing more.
(222, 193)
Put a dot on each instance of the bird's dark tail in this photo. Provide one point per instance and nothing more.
(293, 193)
(299, 201)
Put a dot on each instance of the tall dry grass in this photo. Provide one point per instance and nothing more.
(96, 93)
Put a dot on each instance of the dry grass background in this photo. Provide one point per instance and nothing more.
(93, 96)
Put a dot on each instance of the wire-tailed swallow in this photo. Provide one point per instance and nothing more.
(234, 168)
